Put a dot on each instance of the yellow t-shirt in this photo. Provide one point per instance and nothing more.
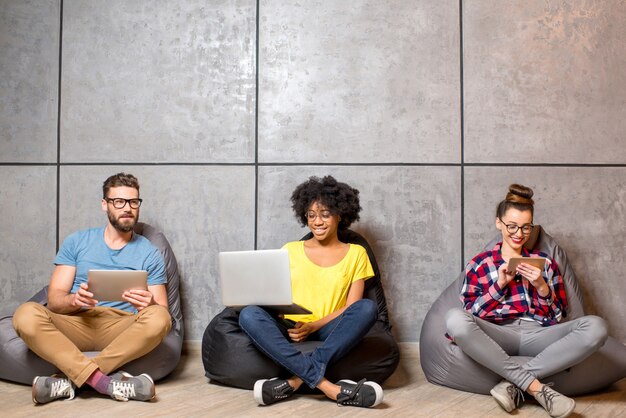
(323, 290)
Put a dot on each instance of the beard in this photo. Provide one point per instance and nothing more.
(122, 224)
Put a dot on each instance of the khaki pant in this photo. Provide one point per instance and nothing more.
(118, 335)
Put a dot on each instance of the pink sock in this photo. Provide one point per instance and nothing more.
(99, 381)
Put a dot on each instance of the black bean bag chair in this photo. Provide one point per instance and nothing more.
(19, 364)
(230, 358)
(445, 364)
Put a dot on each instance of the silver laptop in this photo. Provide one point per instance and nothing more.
(108, 285)
(260, 278)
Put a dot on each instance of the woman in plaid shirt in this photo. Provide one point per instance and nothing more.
(519, 313)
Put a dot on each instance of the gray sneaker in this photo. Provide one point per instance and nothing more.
(364, 394)
(125, 387)
(50, 388)
(508, 396)
(557, 405)
(119, 374)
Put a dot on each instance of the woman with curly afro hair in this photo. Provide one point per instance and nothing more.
(327, 278)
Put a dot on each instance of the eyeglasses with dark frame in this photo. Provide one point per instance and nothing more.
(513, 228)
(119, 203)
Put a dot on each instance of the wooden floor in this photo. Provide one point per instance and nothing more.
(187, 393)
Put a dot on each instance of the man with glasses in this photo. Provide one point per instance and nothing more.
(74, 321)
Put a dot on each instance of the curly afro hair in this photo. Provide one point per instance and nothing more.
(339, 198)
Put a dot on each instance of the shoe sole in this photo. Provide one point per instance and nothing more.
(503, 403)
(258, 390)
(33, 389)
(153, 393)
(568, 412)
(377, 389)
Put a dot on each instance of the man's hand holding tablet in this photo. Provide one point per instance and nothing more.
(117, 285)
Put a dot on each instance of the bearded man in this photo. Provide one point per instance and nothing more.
(74, 322)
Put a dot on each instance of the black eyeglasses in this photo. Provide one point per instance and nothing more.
(119, 203)
(513, 228)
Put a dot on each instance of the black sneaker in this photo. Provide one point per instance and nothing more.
(125, 387)
(269, 391)
(50, 388)
(364, 394)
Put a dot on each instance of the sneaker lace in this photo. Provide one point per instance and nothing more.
(122, 391)
(282, 391)
(347, 398)
(516, 394)
(547, 394)
(61, 387)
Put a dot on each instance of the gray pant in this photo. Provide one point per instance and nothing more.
(553, 348)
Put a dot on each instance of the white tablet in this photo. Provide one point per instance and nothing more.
(109, 285)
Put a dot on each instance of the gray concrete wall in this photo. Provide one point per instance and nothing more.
(428, 118)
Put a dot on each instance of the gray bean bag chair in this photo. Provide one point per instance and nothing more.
(230, 358)
(19, 364)
(445, 364)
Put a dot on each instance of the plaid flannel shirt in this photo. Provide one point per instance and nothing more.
(482, 296)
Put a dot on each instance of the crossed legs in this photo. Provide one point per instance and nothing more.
(553, 349)
(119, 336)
(338, 337)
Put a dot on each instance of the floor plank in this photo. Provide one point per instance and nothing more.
(187, 393)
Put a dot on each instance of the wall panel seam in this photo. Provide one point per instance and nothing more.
(462, 130)
(309, 164)
(58, 160)
(256, 124)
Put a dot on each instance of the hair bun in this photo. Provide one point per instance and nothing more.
(520, 194)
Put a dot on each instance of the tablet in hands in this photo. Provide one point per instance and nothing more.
(110, 285)
(539, 262)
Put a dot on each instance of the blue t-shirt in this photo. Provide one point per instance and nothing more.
(86, 250)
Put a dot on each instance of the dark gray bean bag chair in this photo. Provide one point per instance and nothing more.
(19, 364)
(230, 358)
(445, 364)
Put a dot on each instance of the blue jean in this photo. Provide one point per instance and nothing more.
(338, 336)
